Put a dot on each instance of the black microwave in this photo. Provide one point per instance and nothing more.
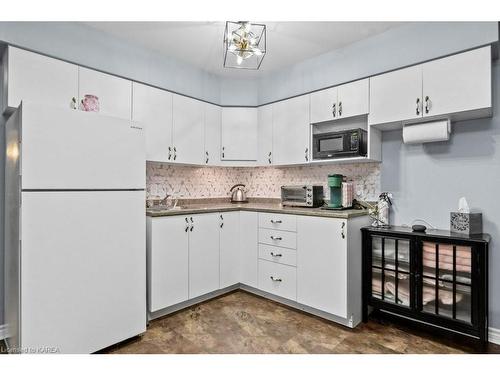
(339, 144)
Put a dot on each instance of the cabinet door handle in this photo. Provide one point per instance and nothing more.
(175, 153)
(334, 109)
(306, 154)
(169, 152)
(342, 230)
(223, 149)
(187, 225)
(221, 221)
(276, 238)
(427, 104)
(276, 221)
(340, 109)
(276, 255)
(73, 104)
(206, 160)
(417, 109)
(269, 159)
(192, 224)
(276, 279)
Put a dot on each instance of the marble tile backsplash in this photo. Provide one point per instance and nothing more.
(262, 182)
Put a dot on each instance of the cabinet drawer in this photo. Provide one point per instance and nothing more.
(278, 255)
(278, 279)
(278, 221)
(278, 238)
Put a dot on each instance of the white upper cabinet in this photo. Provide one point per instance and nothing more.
(396, 96)
(457, 83)
(114, 93)
(265, 134)
(291, 129)
(203, 254)
(212, 134)
(457, 87)
(353, 99)
(188, 135)
(32, 77)
(239, 133)
(324, 105)
(152, 108)
(229, 248)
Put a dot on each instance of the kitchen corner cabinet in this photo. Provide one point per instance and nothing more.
(213, 118)
(239, 133)
(348, 100)
(114, 93)
(291, 131)
(456, 87)
(32, 77)
(152, 108)
(265, 135)
(229, 248)
(249, 251)
(188, 135)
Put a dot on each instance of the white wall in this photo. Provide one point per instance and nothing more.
(395, 48)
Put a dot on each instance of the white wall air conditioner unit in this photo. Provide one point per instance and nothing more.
(434, 131)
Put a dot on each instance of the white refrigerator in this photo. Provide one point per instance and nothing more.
(75, 254)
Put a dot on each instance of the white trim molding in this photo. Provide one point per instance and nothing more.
(3, 331)
(494, 335)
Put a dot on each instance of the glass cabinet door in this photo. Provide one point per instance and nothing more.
(446, 280)
(390, 266)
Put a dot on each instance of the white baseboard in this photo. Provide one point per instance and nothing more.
(494, 335)
(3, 331)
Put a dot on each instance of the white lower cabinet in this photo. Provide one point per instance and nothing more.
(316, 266)
(229, 248)
(322, 264)
(278, 279)
(249, 253)
(168, 256)
(203, 254)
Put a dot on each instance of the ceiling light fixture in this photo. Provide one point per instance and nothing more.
(244, 45)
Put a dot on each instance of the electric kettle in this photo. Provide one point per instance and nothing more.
(238, 195)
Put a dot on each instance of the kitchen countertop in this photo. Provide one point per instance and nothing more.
(267, 206)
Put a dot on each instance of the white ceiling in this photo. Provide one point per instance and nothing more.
(200, 43)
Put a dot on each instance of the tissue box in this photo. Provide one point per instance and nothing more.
(466, 223)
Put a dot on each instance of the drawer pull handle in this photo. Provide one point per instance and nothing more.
(276, 279)
(276, 221)
(276, 255)
(276, 238)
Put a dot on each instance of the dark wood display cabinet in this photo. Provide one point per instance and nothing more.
(438, 279)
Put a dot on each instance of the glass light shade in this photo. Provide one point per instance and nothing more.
(244, 45)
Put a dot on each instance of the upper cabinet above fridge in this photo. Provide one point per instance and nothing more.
(457, 87)
(36, 78)
(32, 77)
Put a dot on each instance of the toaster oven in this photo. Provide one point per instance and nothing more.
(302, 195)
